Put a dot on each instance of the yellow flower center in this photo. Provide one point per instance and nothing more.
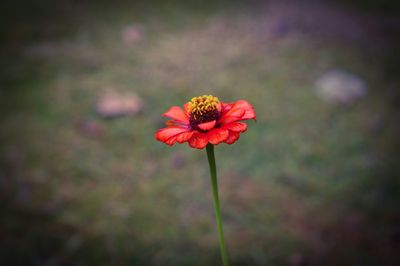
(201, 105)
(203, 109)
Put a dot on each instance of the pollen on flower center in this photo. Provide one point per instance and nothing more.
(201, 105)
(203, 109)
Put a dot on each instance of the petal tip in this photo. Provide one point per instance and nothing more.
(207, 125)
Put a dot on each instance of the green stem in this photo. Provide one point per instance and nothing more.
(217, 207)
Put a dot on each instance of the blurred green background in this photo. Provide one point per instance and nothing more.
(313, 182)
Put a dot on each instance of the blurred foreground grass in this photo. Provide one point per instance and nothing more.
(309, 184)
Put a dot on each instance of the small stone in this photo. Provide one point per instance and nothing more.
(340, 87)
(113, 104)
(132, 34)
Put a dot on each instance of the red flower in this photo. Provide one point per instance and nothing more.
(206, 120)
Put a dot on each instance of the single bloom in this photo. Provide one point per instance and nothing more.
(204, 119)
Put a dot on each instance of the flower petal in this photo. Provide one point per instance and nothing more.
(236, 127)
(233, 136)
(167, 133)
(231, 116)
(198, 141)
(226, 106)
(181, 137)
(186, 108)
(219, 107)
(249, 110)
(177, 113)
(239, 110)
(207, 125)
(185, 136)
(171, 141)
(217, 135)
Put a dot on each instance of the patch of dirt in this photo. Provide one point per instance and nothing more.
(113, 104)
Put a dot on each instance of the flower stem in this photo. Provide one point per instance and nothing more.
(217, 207)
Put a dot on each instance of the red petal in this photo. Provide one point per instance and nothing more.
(165, 134)
(207, 126)
(240, 110)
(217, 135)
(233, 136)
(185, 136)
(219, 107)
(231, 116)
(171, 141)
(181, 137)
(226, 106)
(172, 123)
(249, 110)
(177, 113)
(236, 127)
(186, 108)
(198, 141)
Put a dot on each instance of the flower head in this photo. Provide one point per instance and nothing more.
(204, 119)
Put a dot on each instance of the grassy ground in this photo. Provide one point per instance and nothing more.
(309, 184)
